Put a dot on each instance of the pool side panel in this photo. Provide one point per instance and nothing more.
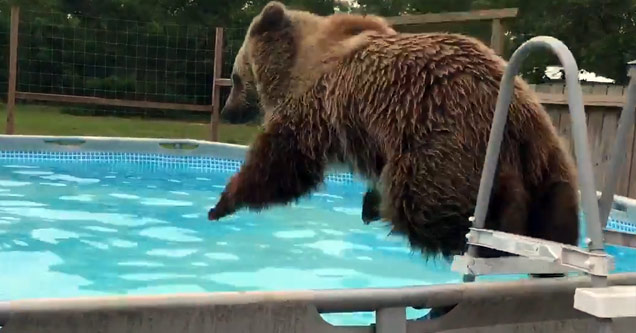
(539, 305)
(158, 151)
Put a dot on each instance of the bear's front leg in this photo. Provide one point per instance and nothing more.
(279, 168)
(226, 204)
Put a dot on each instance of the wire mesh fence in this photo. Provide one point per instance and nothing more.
(232, 43)
(158, 70)
(113, 58)
(5, 18)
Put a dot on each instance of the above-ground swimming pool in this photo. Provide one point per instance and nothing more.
(80, 223)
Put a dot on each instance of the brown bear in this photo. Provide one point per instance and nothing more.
(409, 112)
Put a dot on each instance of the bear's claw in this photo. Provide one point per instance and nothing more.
(212, 215)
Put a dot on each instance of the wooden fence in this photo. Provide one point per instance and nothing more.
(496, 17)
(603, 106)
(13, 94)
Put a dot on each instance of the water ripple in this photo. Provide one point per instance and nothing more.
(335, 247)
(171, 253)
(52, 235)
(72, 179)
(295, 234)
(123, 196)
(33, 172)
(12, 203)
(222, 256)
(77, 215)
(164, 202)
(170, 234)
(12, 183)
(80, 198)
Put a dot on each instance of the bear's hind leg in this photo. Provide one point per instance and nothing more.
(554, 217)
(554, 214)
(426, 203)
(508, 209)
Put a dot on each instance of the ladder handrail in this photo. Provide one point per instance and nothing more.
(579, 134)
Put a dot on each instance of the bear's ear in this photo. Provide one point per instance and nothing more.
(272, 18)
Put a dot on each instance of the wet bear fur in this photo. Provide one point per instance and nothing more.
(409, 112)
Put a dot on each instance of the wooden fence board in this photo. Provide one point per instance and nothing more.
(223, 82)
(627, 170)
(555, 114)
(594, 128)
(542, 88)
(497, 36)
(588, 99)
(632, 167)
(605, 140)
(476, 15)
(216, 88)
(90, 100)
(565, 131)
(627, 175)
(614, 90)
(608, 136)
(13, 69)
(600, 89)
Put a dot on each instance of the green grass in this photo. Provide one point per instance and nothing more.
(49, 120)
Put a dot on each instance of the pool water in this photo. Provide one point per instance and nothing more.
(80, 229)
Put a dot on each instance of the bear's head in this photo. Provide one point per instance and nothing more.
(286, 51)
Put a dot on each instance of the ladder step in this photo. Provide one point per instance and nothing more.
(507, 265)
(598, 264)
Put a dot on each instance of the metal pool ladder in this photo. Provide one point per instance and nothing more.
(540, 256)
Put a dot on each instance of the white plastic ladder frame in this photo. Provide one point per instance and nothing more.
(536, 255)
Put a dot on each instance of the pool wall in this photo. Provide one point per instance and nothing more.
(537, 305)
(178, 153)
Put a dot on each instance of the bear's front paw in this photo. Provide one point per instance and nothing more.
(217, 212)
(214, 214)
(224, 207)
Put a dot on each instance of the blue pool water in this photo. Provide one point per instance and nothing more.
(95, 228)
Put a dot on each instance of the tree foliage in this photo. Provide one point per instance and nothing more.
(600, 33)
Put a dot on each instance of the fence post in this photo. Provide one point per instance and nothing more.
(13, 69)
(497, 37)
(216, 88)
